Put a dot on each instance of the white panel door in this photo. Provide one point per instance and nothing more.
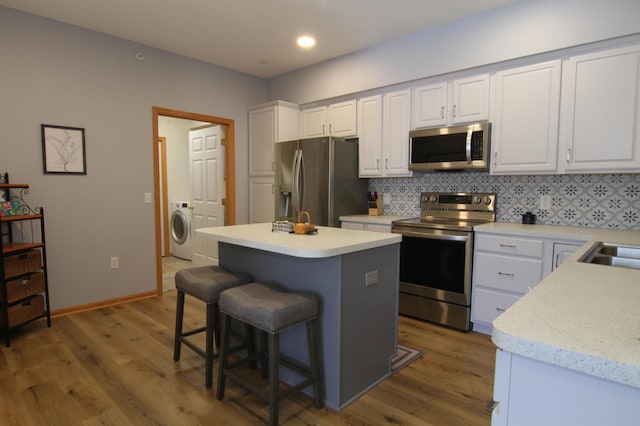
(396, 123)
(208, 190)
(370, 136)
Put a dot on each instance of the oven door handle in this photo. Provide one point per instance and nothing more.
(448, 237)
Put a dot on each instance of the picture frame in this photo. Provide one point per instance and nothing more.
(63, 150)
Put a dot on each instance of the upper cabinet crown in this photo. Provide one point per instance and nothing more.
(339, 120)
(600, 117)
(457, 101)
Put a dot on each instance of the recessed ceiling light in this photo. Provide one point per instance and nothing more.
(306, 41)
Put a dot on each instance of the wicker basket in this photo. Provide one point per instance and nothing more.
(19, 314)
(22, 263)
(24, 287)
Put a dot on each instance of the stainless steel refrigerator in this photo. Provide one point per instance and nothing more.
(319, 176)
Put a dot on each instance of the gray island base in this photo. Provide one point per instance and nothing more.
(357, 290)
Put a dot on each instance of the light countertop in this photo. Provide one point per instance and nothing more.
(364, 218)
(327, 242)
(583, 317)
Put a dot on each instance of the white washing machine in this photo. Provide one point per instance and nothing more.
(180, 229)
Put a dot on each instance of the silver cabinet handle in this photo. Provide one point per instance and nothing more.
(568, 155)
(508, 245)
(454, 111)
(323, 129)
(386, 164)
(500, 309)
(506, 274)
(442, 112)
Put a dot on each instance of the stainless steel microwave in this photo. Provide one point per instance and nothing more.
(450, 148)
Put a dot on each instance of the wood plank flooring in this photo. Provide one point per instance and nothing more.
(114, 366)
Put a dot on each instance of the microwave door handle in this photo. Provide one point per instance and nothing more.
(468, 146)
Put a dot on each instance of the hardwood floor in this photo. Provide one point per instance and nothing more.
(114, 366)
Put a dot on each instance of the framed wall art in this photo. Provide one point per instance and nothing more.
(63, 150)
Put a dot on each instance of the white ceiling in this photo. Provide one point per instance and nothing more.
(256, 37)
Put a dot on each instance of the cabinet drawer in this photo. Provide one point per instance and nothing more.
(353, 225)
(22, 263)
(19, 314)
(487, 304)
(515, 274)
(509, 245)
(24, 287)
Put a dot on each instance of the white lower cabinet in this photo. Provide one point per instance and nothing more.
(506, 267)
(528, 392)
(261, 200)
(360, 226)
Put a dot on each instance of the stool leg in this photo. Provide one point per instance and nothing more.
(217, 325)
(263, 351)
(211, 321)
(274, 355)
(225, 326)
(178, 335)
(314, 356)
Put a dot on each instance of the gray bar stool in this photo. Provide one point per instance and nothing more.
(205, 283)
(271, 310)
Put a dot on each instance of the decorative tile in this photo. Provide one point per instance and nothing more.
(593, 201)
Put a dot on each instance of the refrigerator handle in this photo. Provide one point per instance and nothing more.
(295, 193)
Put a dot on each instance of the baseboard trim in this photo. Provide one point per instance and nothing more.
(102, 304)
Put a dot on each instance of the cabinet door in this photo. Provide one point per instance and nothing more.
(562, 252)
(314, 122)
(262, 135)
(261, 200)
(429, 106)
(370, 139)
(342, 119)
(395, 136)
(470, 99)
(600, 121)
(525, 119)
(352, 225)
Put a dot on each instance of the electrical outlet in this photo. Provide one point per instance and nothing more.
(147, 198)
(545, 202)
(370, 278)
(115, 263)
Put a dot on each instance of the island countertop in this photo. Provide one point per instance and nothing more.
(582, 317)
(327, 242)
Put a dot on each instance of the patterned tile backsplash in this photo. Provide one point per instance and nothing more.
(594, 201)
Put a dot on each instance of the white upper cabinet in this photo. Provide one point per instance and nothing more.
(396, 123)
(383, 123)
(600, 121)
(458, 101)
(370, 137)
(270, 123)
(525, 115)
(339, 120)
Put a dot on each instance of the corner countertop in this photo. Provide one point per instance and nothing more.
(327, 242)
(582, 317)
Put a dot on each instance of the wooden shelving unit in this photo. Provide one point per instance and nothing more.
(24, 286)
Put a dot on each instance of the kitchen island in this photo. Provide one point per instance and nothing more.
(569, 350)
(355, 276)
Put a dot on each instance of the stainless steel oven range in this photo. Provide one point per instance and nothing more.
(436, 256)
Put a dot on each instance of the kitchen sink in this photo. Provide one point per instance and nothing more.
(621, 256)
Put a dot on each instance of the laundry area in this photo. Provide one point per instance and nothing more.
(189, 154)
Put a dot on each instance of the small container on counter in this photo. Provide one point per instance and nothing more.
(528, 218)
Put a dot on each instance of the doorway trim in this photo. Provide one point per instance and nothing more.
(230, 183)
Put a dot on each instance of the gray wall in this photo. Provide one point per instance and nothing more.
(524, 28)
(58, 74)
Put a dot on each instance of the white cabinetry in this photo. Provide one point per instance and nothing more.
(529, 392)
(600, 124)
(384, 122)
(268, 124)
(525, 117)
(507, 266)
(458, 101)
(337, 120)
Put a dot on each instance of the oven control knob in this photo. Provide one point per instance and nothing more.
(433, 198)
(487, 200)
(477, 200)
